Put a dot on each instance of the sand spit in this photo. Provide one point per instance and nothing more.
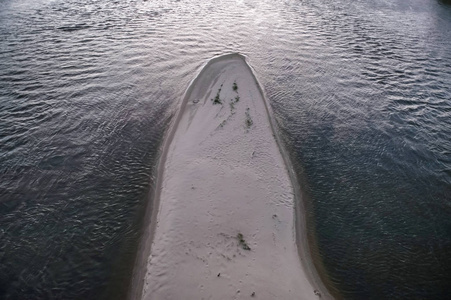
(225, 226)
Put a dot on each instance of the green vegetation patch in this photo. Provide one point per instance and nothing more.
(233, 102)
(232, 106)
(242, 242)
(217, 99)
(248, 120)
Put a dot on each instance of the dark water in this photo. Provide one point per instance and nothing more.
(361, 91)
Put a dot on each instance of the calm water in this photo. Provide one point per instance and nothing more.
(361, 91)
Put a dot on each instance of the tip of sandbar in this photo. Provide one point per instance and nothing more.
(227, 56)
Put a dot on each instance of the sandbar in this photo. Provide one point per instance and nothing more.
(224, 222)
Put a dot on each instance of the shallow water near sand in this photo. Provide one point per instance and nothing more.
(361, 92)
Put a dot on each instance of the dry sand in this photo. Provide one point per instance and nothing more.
(225, 215)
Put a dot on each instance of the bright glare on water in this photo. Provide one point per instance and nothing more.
(361, 91)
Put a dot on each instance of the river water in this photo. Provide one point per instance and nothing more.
(361, 91)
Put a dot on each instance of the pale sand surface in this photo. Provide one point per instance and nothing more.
(222, 174)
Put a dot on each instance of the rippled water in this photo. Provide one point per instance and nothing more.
(361, 91)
